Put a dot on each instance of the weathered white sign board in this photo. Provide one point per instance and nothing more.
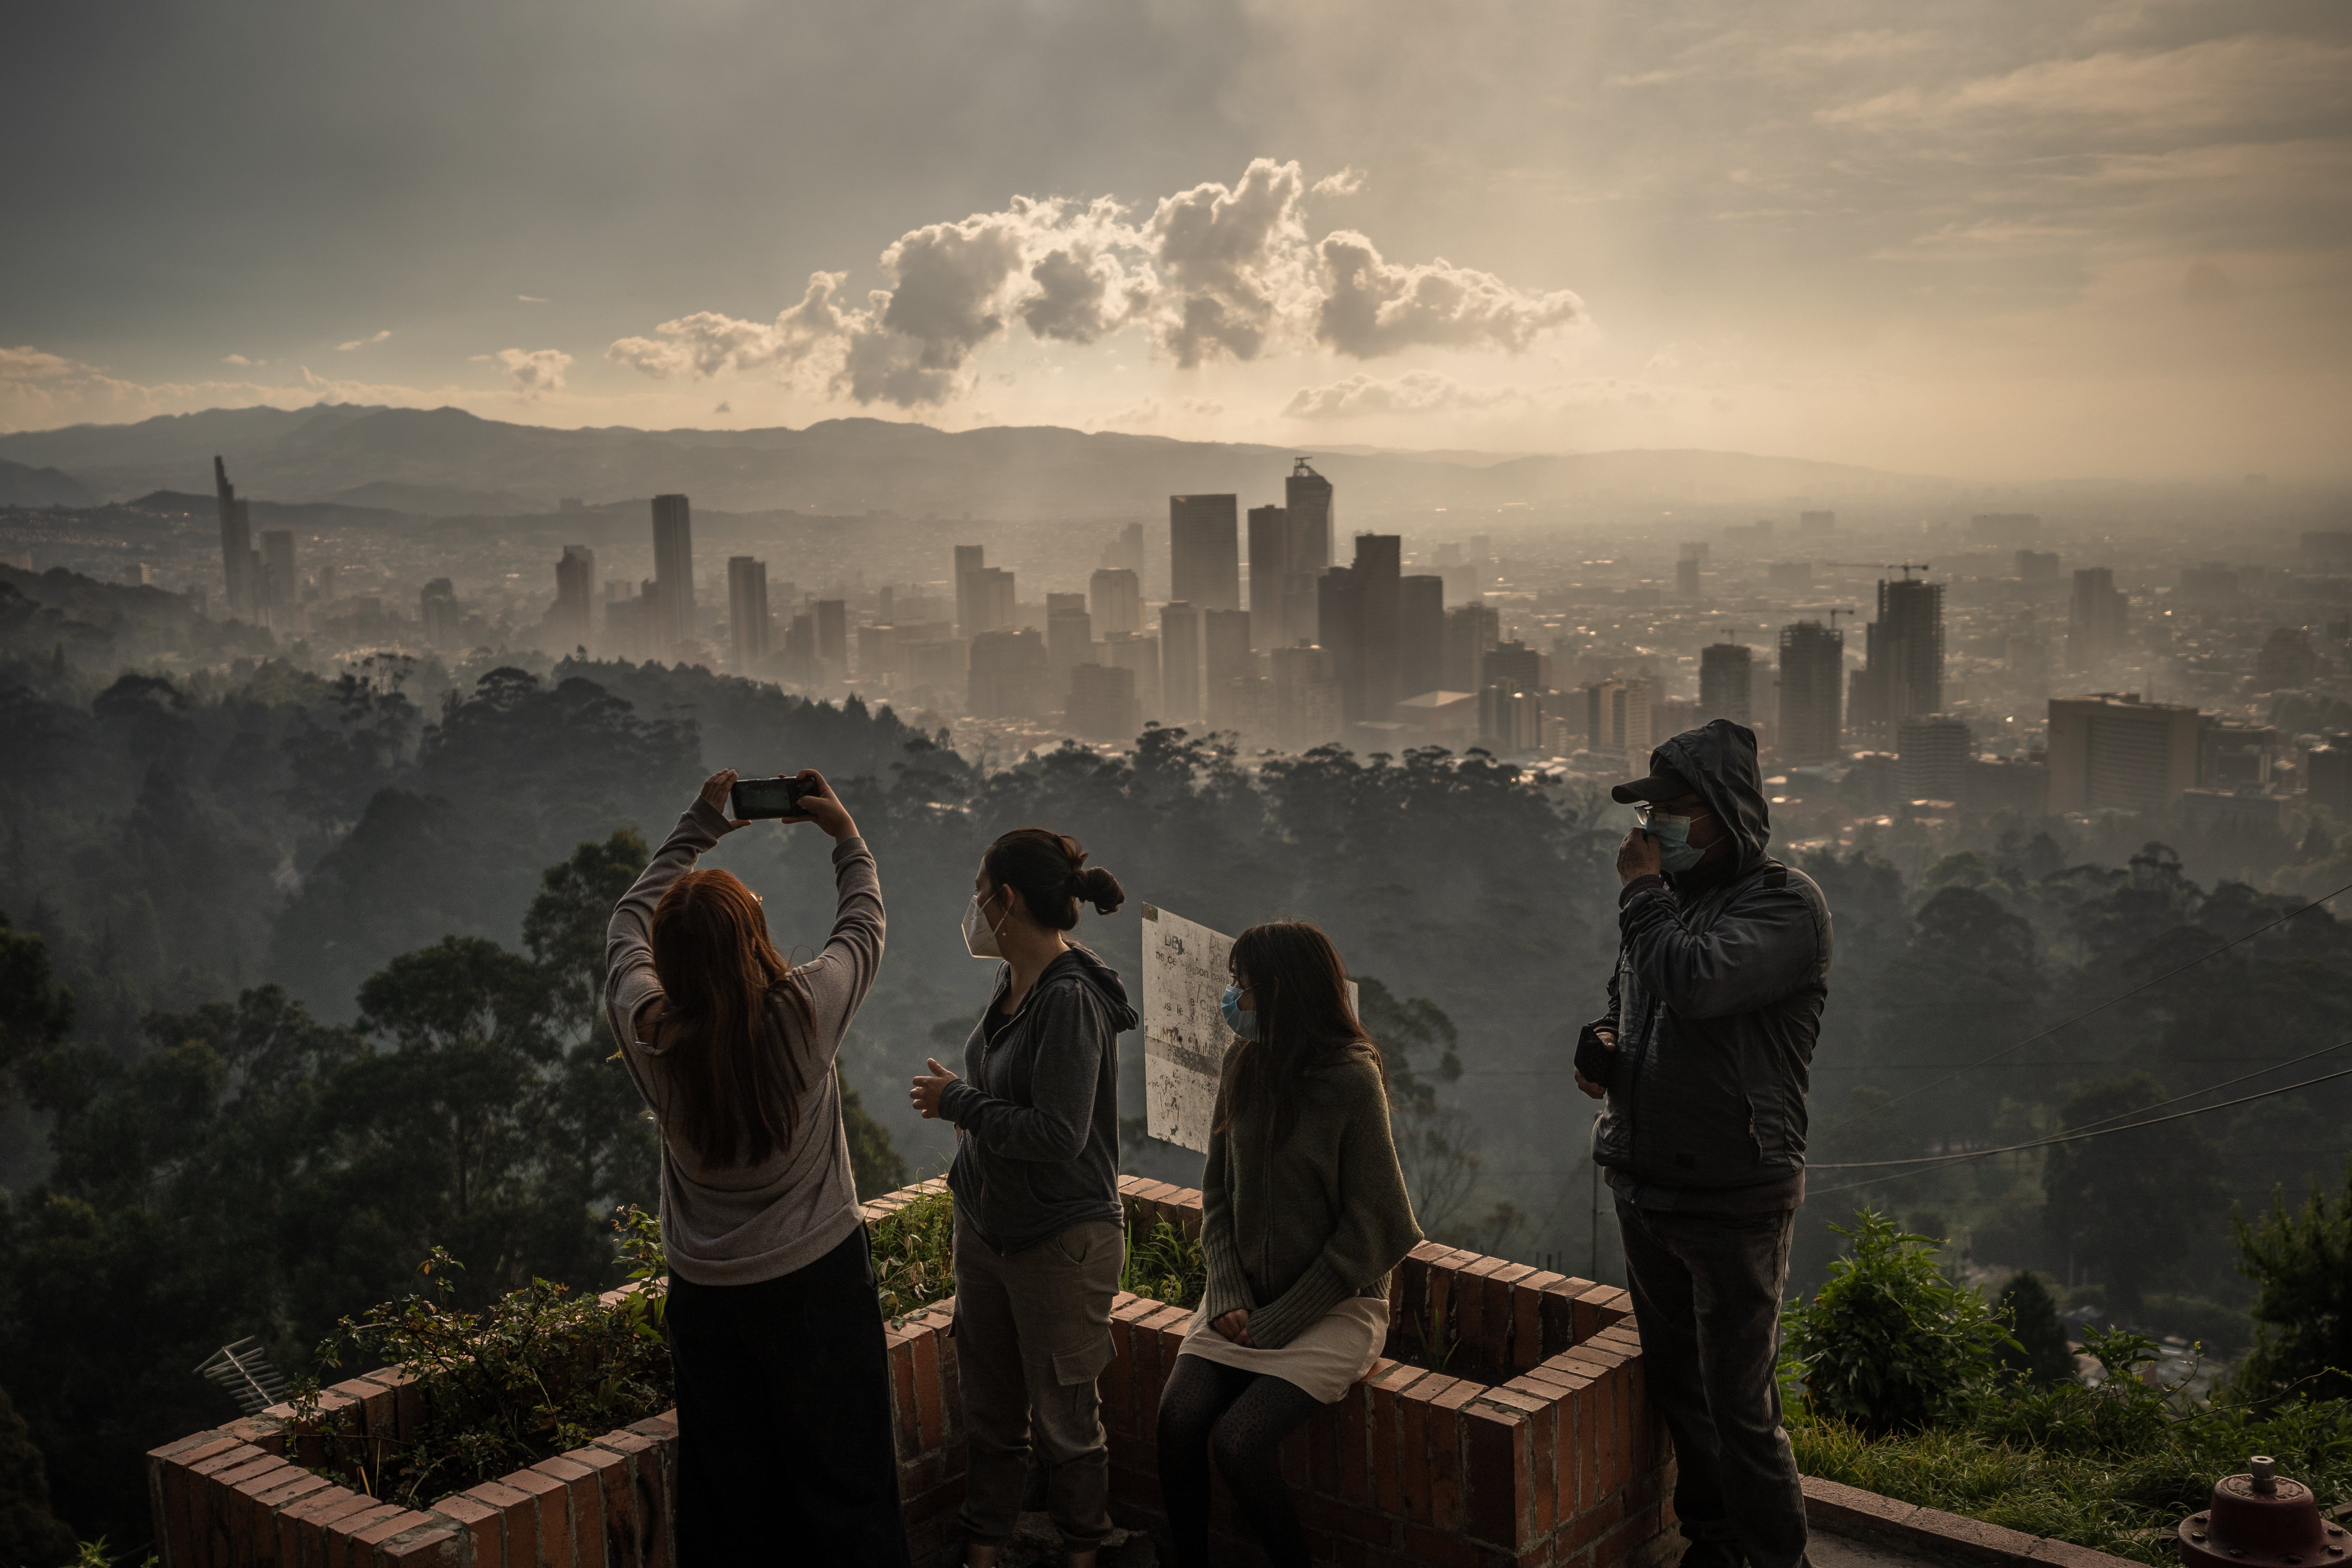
(1184, 1034)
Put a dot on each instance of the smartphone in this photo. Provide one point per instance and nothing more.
(753, 798)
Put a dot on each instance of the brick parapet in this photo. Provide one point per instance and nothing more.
(1532, 1445)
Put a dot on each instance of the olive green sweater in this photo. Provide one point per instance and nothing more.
(1292, 1230)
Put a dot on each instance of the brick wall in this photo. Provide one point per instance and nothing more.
(1534, 1445)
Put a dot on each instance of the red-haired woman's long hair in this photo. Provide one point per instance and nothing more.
(736, 1085)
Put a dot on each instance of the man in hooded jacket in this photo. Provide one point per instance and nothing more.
(1704, 1058)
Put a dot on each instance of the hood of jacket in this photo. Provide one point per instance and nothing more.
(1718, 758)
(1081, 964)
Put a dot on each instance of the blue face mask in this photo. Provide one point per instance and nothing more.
(1241, 1020)
(1675, 851)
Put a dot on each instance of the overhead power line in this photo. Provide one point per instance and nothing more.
(2102, 1121)
(1939, 1161)
(2066, 1023)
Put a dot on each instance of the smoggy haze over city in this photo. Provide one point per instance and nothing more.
(2002, 242)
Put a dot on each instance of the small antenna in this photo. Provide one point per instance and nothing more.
(246, 1372)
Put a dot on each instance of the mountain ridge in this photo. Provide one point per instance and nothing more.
(442, 460)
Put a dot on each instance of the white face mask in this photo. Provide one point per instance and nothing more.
(979, 938)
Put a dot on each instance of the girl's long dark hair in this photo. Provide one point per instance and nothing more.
(1300, 986)
(737, 1086)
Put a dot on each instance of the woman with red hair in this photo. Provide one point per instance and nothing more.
(783, 1396)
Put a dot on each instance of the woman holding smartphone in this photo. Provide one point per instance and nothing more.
(1039, 1237)
(783, 1389)
(1302, 1213)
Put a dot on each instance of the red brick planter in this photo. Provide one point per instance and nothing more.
(1534, 1445)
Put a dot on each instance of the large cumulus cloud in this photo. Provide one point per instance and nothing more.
(1372, 308)
(1227, 256)
(1215, 272)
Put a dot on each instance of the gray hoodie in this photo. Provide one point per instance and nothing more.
(1037, 1111)
(1717, 999)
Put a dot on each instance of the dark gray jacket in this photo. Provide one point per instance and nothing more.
(1716, 1002)
(1039, 1110)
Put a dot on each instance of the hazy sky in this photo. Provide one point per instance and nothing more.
(2004, 240)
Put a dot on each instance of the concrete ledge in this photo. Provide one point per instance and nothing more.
(1835, 1509)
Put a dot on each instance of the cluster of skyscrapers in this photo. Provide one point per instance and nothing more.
(260, 585)
(1271, 631)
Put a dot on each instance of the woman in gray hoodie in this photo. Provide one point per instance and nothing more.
(783, 1382)
(1039, 1241)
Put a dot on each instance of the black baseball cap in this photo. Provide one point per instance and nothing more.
(1664, 784)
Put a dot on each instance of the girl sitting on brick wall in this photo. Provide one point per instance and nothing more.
(1302, 1213)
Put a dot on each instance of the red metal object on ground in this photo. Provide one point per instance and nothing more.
(2261, 1520)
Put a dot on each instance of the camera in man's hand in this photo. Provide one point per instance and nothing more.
(1596, 1058)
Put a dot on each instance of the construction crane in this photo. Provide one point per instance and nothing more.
(1905, 567)
(1832, 611)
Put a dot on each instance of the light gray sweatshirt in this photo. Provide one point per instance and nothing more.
(742, 1225)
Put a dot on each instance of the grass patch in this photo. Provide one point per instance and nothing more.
(1164, 1263)
(2114, 1468)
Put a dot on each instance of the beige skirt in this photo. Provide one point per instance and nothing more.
(1332, 1352)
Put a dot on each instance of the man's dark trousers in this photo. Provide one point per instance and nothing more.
(1706, 1300)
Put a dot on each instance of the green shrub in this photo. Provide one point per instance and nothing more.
(2301, 1263)
(1890, 1342)
(538, 1372)
(1164, 1264)
(2038, 1351)
(914, 1255)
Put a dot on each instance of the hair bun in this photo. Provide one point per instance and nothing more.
(1097, 886)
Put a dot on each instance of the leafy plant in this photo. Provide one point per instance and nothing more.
(1890, 1342)
(2301, 1263)
(1164, 1264)
(538, 1372)
(914, 1262)
(2037, 1352)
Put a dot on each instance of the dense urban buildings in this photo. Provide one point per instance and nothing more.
(747, 610)
(1904, 672)
(1203, 552)
(1115, 599)
(573, 619)
(1974, 691)
(237, 569)
(2096, 620)
(1180, 662)
(1724, 680)
(2112, 752)
(1811, 724)
(673, 572)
